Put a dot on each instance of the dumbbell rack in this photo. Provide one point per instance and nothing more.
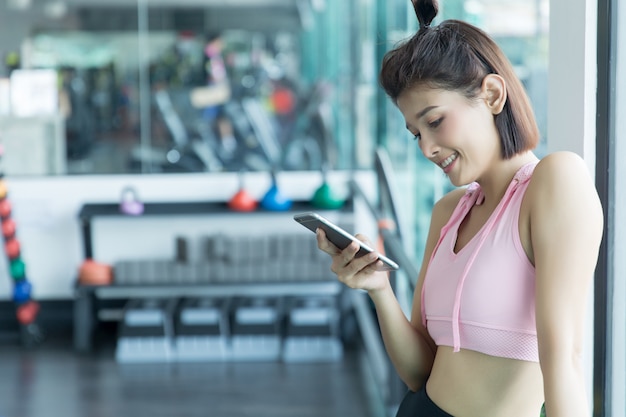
(27, 309)
(90, 299)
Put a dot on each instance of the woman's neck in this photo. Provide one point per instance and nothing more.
(495, 182)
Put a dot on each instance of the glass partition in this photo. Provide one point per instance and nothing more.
(185, 86)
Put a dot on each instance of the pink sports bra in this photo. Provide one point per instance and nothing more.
(483, 297)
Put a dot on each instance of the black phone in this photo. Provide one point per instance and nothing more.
(339, 237)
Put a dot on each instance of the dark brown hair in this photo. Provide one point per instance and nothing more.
(457, 56)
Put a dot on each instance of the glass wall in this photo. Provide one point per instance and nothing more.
(185, 86)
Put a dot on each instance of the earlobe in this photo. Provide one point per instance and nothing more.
(494, 90)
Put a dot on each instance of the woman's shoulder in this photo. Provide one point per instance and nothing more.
(561, 155)
(562, 180)
(445, 206)
(450, 200)
(563, 168)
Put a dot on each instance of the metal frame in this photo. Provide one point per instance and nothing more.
(605, 184)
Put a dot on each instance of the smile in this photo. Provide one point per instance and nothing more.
(448, 160)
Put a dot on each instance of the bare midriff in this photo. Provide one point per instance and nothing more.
(472, 384)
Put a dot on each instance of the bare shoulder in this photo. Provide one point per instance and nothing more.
(562, 182)
(445, 206)
(560, 169)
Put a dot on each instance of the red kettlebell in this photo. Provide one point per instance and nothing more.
(91, 272)
(5, 208)
(27, 312)
(242, 200)
(12, 248)
(8, 228)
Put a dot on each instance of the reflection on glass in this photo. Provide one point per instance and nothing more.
(182, 88)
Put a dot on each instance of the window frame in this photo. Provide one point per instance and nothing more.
(609, 382)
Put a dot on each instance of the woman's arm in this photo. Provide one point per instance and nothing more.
(566, 225)
(408, 344)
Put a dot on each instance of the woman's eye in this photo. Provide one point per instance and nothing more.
(435, 123)
(417, 137)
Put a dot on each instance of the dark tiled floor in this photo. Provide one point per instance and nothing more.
(52, 381)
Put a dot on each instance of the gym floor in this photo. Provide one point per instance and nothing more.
(52, 380)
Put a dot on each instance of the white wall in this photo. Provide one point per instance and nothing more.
(46, 213)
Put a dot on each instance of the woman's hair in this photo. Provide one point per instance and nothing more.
(457, 56)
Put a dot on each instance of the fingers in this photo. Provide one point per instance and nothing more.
(366, 263)
(356, 272)
(327, 246)
(344, 261)
(324, 244)
(364, 239)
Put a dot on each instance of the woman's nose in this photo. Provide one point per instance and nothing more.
(429, 147)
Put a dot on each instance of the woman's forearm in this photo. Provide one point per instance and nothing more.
(564, 387)
(408, 350)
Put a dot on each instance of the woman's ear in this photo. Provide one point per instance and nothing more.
(494, 91)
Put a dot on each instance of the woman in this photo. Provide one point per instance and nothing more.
(497, 322)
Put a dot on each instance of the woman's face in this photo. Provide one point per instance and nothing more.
(457, 134)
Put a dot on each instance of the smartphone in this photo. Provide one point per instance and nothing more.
(339, 237)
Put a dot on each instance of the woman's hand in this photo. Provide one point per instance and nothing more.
(357, 273)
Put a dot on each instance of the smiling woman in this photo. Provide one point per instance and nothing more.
(521, 30)
(442, 128)
(496, 326)
(455, 56)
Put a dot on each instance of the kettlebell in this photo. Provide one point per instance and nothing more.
(130, 203)
(274, 199)
(17, 268)
(21, 291)
(12, 248)
(27, 312)
(91, 272)
(5, 208)
(326, 196)
(8, 228)
(242, 200)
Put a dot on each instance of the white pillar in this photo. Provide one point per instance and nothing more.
(572, 78)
